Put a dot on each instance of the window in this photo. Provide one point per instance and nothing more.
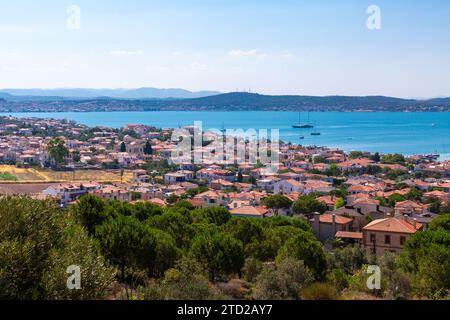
(387, 239)
(373, 238)
(402, 240)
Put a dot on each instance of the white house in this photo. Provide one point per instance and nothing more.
(68, 193)
(287, 186)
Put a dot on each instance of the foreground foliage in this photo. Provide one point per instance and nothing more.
(38, 242)
(180, 252)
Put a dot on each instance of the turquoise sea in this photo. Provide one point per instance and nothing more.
(406, 133)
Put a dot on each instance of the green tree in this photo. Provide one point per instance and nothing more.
(38, 242)
(175, 221)
(307, 248)
(148, 148)
(394, 198)
(58, 150)
(393, 159)
(296, 222)
(356, 155)
(376, 157)
(220, 253)
(426, 256)
(282, 282)
(277, 202)
(187, 280)
(333, 171)
(395, 283)
(166, 251)
(435, 206)
(90, 212)
(441, 222)
(145, 210)
(245, 230)
(172, 199)
(127, 243)
(341, 193)
(340, 202)
(307, 205)
(349, 259)
(215, 215)
(240, 177)
(193, 192)
(123, 147)
(185, 204)
(77, 249)
(414, 195)
(445, 207)
(76, 156)
(252, 268)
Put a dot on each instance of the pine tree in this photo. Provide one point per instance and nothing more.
(123, 147)
(148, 148)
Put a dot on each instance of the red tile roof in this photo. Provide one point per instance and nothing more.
(409, 204)
(349, 235)
(397, 225)
(197, 202)
(328, 218)
(328, 200)
(250, 211)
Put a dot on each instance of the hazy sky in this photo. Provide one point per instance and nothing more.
(314, 47)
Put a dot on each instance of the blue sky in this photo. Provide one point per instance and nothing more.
(315, 47)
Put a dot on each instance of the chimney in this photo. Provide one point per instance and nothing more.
(405, 217)
(316, 223)
(316, 217)
(415, 223)
(334, 223)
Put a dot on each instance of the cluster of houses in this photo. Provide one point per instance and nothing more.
(241, 188)
(24, 142)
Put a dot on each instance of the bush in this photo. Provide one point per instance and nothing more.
(38, 242)
(252, 268)
(307, 248)
(350, 258)
(307, 205)
(426, 258)
(186, 281)
(320, 291)
(282, 282)
(6, 176)
(339, 279)
(442, 222)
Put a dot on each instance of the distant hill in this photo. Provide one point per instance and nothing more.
(251, 101)
(235, 101)
(4, 95)
(140, 93)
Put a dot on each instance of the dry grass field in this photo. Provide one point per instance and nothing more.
(30, 175)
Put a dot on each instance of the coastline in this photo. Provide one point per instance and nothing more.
(407, 133)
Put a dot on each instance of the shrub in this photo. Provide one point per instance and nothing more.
(320, 291)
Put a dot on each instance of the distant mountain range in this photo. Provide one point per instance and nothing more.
(250, 101)
(74, 93)
(235, 101)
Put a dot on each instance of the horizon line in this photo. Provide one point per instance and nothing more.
(219, 92)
